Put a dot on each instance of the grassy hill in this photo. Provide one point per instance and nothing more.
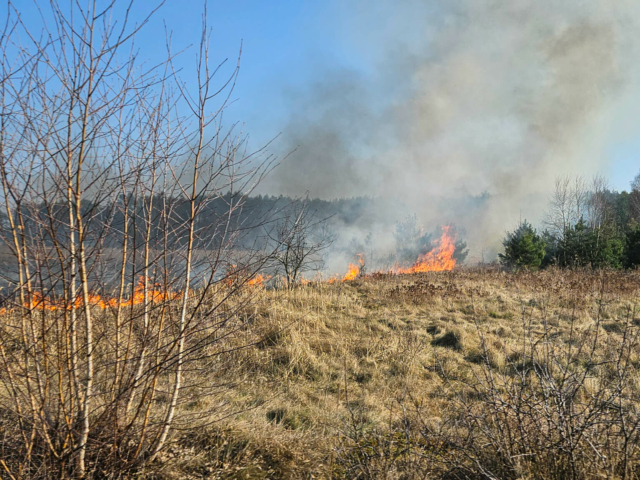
(465, 374)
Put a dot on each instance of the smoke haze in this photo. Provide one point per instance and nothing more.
(458, 98)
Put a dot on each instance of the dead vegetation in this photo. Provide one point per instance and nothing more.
(467, 374)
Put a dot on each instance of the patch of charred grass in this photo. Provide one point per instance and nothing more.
(367, 379)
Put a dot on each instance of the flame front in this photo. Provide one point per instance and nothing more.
(439, 259)
(154, 295)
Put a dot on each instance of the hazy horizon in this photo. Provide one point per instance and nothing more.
(426, 101)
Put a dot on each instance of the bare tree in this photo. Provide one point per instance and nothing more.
(575, 199)
(122, 193)
(566, 205)
(598, 209)
(300, 240)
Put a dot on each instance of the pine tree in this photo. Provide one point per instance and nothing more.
(523, 248)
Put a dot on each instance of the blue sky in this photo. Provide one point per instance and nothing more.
(283, 44)
(289, 44)
(625, 163)
(623, 146)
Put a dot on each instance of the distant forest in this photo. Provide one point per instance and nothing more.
(106, 221)
(355, 221)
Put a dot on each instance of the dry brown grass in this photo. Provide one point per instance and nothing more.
(342, 369)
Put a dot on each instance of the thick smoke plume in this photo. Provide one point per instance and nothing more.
(464, 97)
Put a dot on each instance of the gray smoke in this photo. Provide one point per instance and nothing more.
(466, 97)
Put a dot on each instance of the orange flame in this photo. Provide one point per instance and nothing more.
(354, 270)
(39, 302)
(258, 279)
(238, 276)
(439, 259)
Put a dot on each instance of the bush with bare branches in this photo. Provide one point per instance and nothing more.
(116, 276)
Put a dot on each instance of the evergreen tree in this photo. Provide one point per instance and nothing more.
(523, 248)
(597, 247)
(633, 246)
(552, 249)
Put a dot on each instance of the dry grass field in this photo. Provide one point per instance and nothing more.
(465, 374)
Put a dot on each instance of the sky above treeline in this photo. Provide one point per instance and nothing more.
(360, 75)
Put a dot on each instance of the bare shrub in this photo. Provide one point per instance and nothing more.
(365, 451)
(559, 401)
(121, 194)
(555, 411)
(299, 240)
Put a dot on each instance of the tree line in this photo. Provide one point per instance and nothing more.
(587, 224)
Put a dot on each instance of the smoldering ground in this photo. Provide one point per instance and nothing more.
(457, 98)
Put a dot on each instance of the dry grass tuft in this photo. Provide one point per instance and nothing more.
(419, 376)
